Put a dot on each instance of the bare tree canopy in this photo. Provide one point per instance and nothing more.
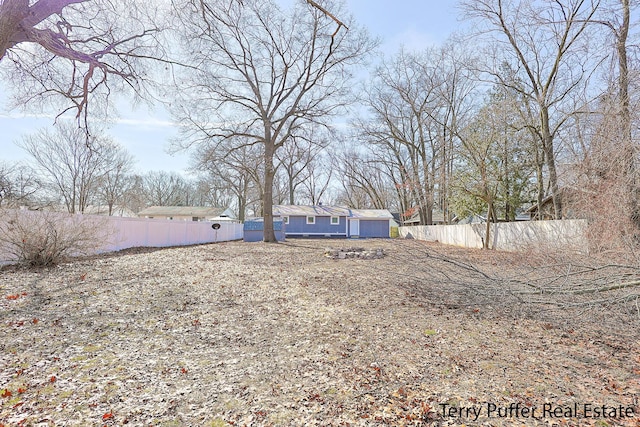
(548, 43)
(264, 74)
(19, 185)
(72, 49)
(73, 164)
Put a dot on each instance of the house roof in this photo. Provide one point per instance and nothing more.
(545, 201)
(437, 216)
(193, 211)
(371, 213)
(295, 210)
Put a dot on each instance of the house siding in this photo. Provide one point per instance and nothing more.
(298, 226)
(374, 228)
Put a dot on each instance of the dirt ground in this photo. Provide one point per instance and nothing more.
(279, 334)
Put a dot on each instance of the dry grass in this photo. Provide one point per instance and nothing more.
(256, 334)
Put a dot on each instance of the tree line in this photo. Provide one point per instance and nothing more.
(534, 106)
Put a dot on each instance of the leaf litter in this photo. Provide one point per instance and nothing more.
(278, 334)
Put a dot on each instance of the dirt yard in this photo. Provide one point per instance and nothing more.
(258, 335)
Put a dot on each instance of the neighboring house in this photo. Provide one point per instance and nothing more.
(412, 217)
(546, 213)
(471, 219)
(333, 221)
(570, 200)
(186, 213)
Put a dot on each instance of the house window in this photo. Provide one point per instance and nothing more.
(335, 220)
(285, 220)
(311, 220)
(194, 218)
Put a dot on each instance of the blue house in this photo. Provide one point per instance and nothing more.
(333, 221)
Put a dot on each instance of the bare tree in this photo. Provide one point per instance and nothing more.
(161, 188)
(238, 170)
(19, 184)
(296, 155)
(414, 102)
(70, 161)
(602, 137)
(264, 73)
(212, 191)
(114, 182)
(72, 49)
(548, 43)
(320, 174)
(364, 184)
(617, 18)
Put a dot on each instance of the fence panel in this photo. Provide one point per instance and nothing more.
(134, 232)
(507, 236)
(131, 232)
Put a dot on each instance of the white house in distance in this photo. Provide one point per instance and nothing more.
(188, 213)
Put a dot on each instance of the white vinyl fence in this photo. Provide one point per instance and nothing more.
(133, 232)
(122, 233)
(506, 236)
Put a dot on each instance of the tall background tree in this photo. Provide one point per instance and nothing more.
(264, 74)
(605, 149)
(114, 183)
(547, 43)
(416, 101)
(19, 185)
(72, 164)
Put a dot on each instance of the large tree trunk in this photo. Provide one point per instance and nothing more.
(629, 168)
(547, 145)
(242, 205)
(487, 232)
(267, 200)
(291, 189)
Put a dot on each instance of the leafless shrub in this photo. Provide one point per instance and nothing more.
(607, 200)
(46, 238)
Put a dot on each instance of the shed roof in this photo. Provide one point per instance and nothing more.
(193, 211)
(295, 210)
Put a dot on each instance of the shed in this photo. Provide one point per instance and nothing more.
(333, 221)
(253, 230)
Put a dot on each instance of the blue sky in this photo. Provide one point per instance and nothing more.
(146, 132)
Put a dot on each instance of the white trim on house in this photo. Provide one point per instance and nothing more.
(311, 219)
(337, 222)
